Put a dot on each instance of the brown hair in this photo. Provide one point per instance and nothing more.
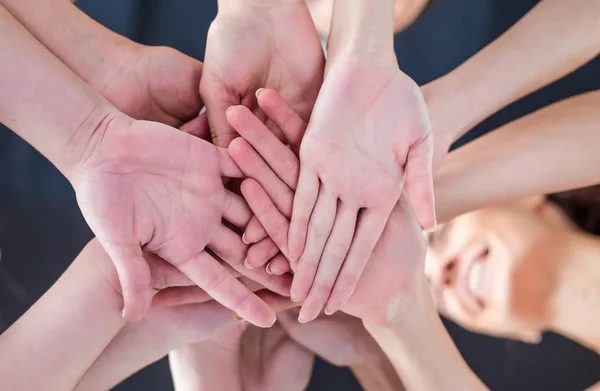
(582, 206)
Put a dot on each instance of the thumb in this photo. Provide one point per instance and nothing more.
(218, 99)
(419, 182)
(134, 276)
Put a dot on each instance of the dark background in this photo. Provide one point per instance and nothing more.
(41, 229)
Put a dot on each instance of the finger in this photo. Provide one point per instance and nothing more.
(236, 210)
(229, 247)
(134, 276)
(260, 253)
(227, 166)
(254, 231)
(331, 263)
(191, 294)
(276, 302)
(265, 211)
(218, 98)
(197, 127)
(281, 113)
(304, 202)
(369, 228)
(319, 229)
(253, 166)
(419, 182)
(164, 274)
(278, 265)
(279, 157)
(209, 275)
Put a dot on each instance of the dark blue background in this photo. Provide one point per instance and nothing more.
(41, 229)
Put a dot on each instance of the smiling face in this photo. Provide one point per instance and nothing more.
(492, 270)
(405, 12)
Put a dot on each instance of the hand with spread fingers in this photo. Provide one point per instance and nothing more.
(272, 167)
(147, 186)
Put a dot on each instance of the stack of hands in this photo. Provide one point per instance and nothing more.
(312, 191)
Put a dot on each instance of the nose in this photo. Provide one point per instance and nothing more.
(442, 273)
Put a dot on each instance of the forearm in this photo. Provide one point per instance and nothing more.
(52, 345)
(551, 150)
(553, 39)
(84, 45)
(421, 350)
(140, 344)
(378, 376)
(43, 101)
(361, 25)
(194, 368)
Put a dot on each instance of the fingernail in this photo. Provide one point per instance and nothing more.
(228, 109)
(432, 228)
(268, 269)
(244, 239)
(123, 313)
(237, 317)
(258, 92)
(294, 298)
(248, 266)
(202, 110)
(302, 318)
(329, 312)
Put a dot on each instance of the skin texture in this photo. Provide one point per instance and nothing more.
(172, 207)
(52, 346)
(253, 44)
(92, 143)
(243, 358)
(398, 309)
(352, 130)
(458, 101)
(147, 83)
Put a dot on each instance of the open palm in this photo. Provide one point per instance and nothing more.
(148, 186)
(254, 46)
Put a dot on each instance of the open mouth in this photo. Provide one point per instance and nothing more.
(471, 287)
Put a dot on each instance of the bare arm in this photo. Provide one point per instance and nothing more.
(53, 344)
(421, 350)
(84, 45)
(551, 150)
(42, 100)
(553, 39)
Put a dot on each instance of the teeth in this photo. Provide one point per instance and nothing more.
(476, 279)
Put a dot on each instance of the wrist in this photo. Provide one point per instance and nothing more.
(362, 26)
(88, 139)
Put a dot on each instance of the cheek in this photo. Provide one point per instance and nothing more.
(530, 286)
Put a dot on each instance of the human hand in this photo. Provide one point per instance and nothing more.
(243, 358)
(275, 174)
(368, 132)
(150, 83)
(174, 324)
(339, 339)
(146, 185)
(253, 44)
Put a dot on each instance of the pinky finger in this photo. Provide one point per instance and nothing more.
(278, 266)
